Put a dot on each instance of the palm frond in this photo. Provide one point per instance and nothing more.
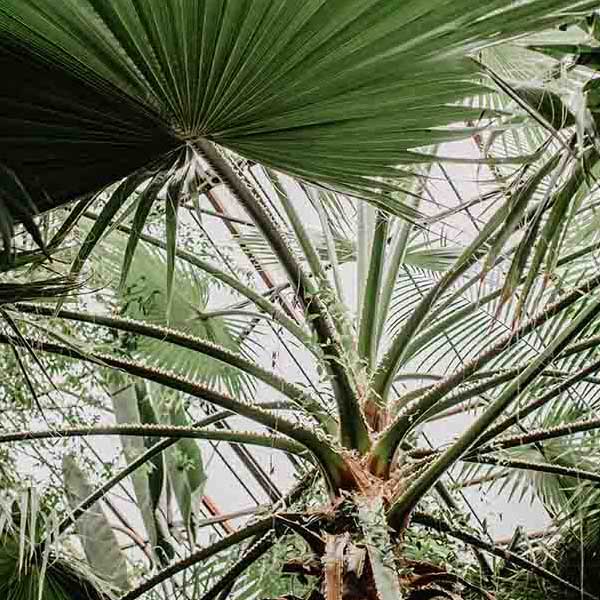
(144, 296)
(44, 289)
(127, 83)
(30, 575)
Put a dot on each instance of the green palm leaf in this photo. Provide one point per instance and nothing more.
(99, 540)
(27, 575)
(340, 91)
(145, 297)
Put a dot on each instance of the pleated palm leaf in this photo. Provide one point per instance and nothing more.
(374, 480)
(344, 92)
(144, 297)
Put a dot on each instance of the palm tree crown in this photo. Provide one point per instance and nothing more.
(202, 179)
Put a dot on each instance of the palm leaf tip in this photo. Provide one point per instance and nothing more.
(47, 289)
(16, 206)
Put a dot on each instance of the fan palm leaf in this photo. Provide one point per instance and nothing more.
(26, 573)
(144, 297)
(340, 91)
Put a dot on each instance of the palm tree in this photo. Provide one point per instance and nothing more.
(148, 110)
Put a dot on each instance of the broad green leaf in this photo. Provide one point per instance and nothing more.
(126, 410)
(185, 467)
(156, 474)
(97, 537)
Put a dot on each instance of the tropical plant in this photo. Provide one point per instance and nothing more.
(233, 166)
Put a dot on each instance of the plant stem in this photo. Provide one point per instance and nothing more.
(440, 324)
(183, 340)
(539, 435)
(388, 283)
(536, 404)
(467, 537)
(367, 335)
(259, 528)
(337, 474)
(527, 465)
(327, 294)
(391, 361)
(158, 448)
(353, 429)
(174, 432)
(399, 348)
(316, 201)
(254, 553)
